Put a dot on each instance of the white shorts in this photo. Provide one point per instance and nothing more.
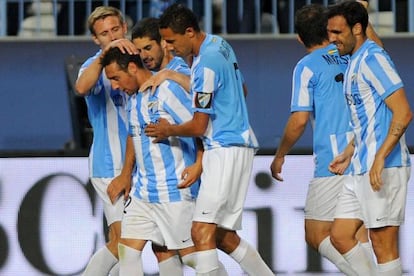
(113, 212)
(223, 189)
(322, 197)
(377, 209)
(166, 223)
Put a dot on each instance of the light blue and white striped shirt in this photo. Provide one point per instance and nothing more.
(217, 87)
(317, 88)
(108, 118)
(159, 165)
(370, 78)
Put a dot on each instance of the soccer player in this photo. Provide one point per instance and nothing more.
(161, 207)
(156, 57)
(107, 115)
(221, 120)
(376, 193)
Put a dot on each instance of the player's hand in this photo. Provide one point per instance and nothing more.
(276, 167)
(119, 184)
(154, 81)
(190, 175)
(125, 45)
(375, 174)
(364, 3)
(159, 130)
(339, 164)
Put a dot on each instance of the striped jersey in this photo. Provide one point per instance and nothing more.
(370, 78)
(178, 64)
(217, 87)
(159, 165)
(108, 118)
(317, 88)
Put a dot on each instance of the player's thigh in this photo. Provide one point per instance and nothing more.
(322, 197)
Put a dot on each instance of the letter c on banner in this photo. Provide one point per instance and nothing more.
(29, 224)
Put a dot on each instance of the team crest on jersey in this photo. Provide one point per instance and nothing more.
(203, 100)
(153, 107)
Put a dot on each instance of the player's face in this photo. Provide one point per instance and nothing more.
(341, 35)
(180, 44)
(108, 29)
(124, 81)
(150, 52)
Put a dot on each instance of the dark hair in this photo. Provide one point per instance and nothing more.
(122, 59)
(178, 18)
(310, 24)
(147, 27)
(353, 12)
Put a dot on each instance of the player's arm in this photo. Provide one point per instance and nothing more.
(166, 74)
(122, 183)
(401, 118)
(370, 32)
(88, 78)
(293, 131)
(196, 127)
(193, 172)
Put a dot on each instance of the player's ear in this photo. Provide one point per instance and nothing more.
(299, 39)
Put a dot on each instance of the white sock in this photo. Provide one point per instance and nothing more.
(367, 246)
(130, 261)
(191, 261)
(393, 268)
(171, 266)
(115, 270)
(207, 263)
(327, 250)
(101, 263)
(250, 260)
(359, 261)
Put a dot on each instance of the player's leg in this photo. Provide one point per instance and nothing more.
(348, 220)
(343, 238)
(130, 257)
(237, 164)
(106, 257)
(385, 219)
(169, 262)
(242, 252)
(320, 206)
(138, 227)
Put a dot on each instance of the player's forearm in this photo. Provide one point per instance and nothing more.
(293, 131)
(89, 77)
(395, 131)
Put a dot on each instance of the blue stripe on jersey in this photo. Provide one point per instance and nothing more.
(160, 164)
(369, 80)
(107, 115)
(317, 88)
(216, 79)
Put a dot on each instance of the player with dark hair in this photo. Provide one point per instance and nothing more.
(221, 120)
(376, 193)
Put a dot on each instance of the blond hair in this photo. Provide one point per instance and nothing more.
(102, 12)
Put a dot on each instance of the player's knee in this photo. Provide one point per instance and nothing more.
(202, 235)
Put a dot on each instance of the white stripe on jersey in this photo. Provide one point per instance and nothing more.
(305, 77)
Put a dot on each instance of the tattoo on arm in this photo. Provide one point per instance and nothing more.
(397, 129)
